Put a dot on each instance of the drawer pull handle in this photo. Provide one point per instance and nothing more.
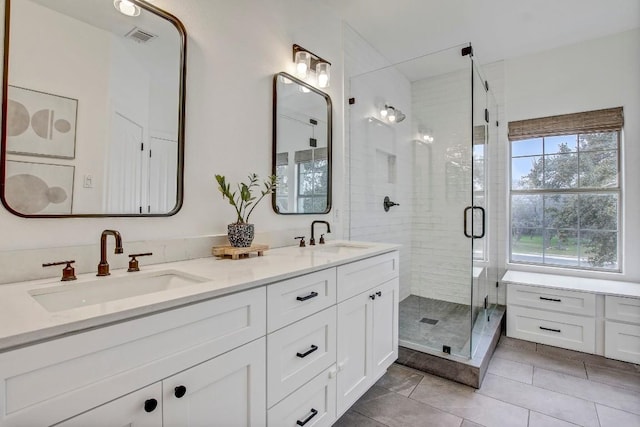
(150, 405)
(551, 299)
(308, 352)
(179, 391)
(306, 420)
(550, 329)
(306, 297)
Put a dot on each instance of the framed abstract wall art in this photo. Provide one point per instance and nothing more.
(40, 124)
(38, 188)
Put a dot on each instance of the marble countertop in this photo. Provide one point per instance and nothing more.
(24, 321)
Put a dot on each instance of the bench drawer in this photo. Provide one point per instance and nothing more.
(556, 329)
(623, 309)
(573, 302)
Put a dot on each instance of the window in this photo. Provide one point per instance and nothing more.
(565, 190)
(312, 185)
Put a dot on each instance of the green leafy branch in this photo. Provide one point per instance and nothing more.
(242, 199)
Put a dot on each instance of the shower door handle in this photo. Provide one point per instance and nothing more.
(466, 232)
(482, 211)
(466, 229)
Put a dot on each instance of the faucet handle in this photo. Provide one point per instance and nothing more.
(302, 243)
(133, 262)
(322, 239)
(68, 273)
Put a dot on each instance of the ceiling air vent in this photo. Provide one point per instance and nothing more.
(139, 35)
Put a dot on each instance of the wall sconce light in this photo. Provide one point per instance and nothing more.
(425, 135)
(126, 7)
(392, 114)
(306, 61)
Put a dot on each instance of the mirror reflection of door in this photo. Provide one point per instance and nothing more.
(124, 178)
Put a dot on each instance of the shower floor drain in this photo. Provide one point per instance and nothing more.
(428, 321)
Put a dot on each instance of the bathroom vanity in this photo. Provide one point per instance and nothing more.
(291, 338)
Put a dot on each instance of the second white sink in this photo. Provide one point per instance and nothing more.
(74, 295)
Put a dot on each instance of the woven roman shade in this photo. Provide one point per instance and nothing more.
(566, 124)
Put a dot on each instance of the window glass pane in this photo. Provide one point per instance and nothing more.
(526, 173)
(526, 244)
(561, 247)
(599, 212)
(598, 141)
(526, 147)
(599, 249)
(560, 144)
(560, 171)
(526, 211)
(599, 169)
(561, 211)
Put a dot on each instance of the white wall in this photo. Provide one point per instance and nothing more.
(234, 48)
(592, 75)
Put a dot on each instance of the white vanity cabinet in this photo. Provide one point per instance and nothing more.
(47, 383)
(298, 351)
(367, 325)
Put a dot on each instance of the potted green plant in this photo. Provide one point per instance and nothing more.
(241, 232)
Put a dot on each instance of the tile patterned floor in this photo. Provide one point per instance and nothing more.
(527, 384)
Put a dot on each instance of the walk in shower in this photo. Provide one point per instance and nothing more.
(435, 166)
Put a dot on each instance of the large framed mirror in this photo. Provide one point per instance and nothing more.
(92, 109)
(301, 147)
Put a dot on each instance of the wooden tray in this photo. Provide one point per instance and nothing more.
(237, 253)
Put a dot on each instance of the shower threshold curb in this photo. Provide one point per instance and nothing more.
(470, 372)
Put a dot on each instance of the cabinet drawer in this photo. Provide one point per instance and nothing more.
(84, 370)
(360, 276)
(294, 299)
(299, 352)
(624, 309)
(557, 329)
(622, 341)
(315, 403)
(573, 302)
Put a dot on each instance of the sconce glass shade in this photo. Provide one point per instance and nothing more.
(126, 7)
(323, 72)
(391, 114)
(303, 62)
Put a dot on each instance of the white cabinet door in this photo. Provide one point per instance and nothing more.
(229, 391)
(354, 348)
(142, 408)
(385, 327)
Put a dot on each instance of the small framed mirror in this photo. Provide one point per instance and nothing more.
(93, 109)
(301, 147)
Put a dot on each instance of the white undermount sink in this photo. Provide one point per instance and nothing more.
(74, 295)
(340, 247)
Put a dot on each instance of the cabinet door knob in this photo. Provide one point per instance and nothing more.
(372, 296)
(179, 391)
(150, 405)
(379, 293)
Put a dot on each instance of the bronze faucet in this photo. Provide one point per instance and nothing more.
(103, 267)
(313, 240)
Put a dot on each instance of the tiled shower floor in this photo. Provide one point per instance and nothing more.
(416, 318)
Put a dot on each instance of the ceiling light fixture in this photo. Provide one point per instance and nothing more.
(126, 7)
(306, 61)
